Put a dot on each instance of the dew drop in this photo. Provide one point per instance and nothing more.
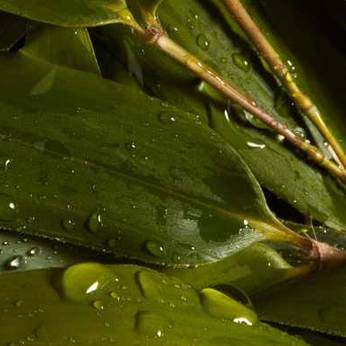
(167, 118)
(8, 208)
(68, 224)
(151, 324)
(155, 248)
(34, 251)
(81, 280)
(98, 305)
(131, 146)
(254, 145)
(300, 132)
(95, 222)
(220, 305)
(148, 284)
(241, 62)
(16, 262)
(203, 42)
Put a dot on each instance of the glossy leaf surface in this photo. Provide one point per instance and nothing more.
(316, 302)
(84, 305)
(158, 186)
(75, 13)
(277, 166)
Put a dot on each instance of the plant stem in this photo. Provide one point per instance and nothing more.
(157, 37)
(266, 50)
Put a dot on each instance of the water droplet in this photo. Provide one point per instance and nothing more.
(155, 248)
(68, 224)
(151, 324)
(114, 295)
(172, 29)
(300, 132)
(167, 118)
(8, 208)
(94, 222)
(84, 279)
(131, 146)
(219, 305)
(241, 62)
(223, 60)
(34, 251)
(98, 305)
(16, 262)
(254, 145)
(203, 42)
(149, 284)
(18, 303)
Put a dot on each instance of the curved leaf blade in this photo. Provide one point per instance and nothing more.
(85, 304)
(316, 303)
(70, 13)
(158, 186)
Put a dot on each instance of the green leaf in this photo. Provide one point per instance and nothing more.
(85, 303)
(12, 29)
(20, 252)
(158, 186)
(251, 270)
(145, 11)
(62, 46)
(316, 302)
(276, 166)
(70, 13)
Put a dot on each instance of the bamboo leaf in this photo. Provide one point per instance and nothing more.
(288, 175)
(316, 303)
(85, 303)
(20, 252)
(158, 186)
(70, 13)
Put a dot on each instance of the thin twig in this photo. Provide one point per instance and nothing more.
(156, 36)
(266, 50)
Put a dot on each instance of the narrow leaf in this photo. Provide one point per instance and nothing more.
(316, 303)
(158, 186)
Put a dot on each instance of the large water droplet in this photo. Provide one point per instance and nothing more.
(155, 248)
(151, 324)
(84, 279)
(241, 62)
(203, 42)
(16, 262)
(148, 284)
(253, 145)
(219, 305)
(94, 222)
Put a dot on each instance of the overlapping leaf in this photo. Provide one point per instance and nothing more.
(277, 167)
(84, 305)
(94, 169)
(316, 303)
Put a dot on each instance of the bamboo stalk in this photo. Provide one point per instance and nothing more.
(157, 37)
(266, 50)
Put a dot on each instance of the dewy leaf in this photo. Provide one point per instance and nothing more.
(12, 29)
(317, 302)
(252, 270)
(62, 46)
(148, 182)
(71, 13)
(85, 303)
(21, 253)
(275, 165)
